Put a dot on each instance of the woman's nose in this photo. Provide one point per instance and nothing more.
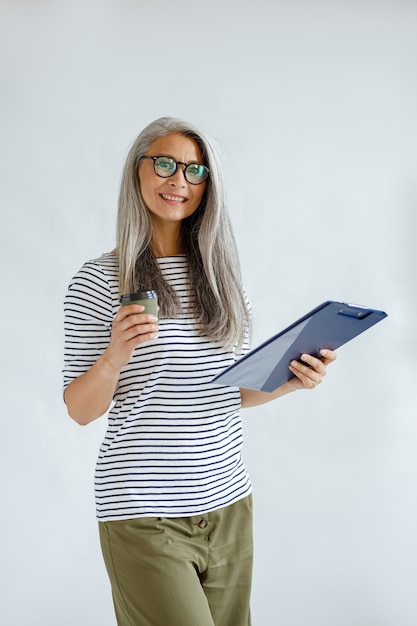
(178, 178)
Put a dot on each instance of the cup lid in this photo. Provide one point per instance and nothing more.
(138, 295)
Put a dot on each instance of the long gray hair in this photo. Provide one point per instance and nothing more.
(219, 303)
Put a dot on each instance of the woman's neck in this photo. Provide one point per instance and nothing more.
(167, 243)
(162, 251)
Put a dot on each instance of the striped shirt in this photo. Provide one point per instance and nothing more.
(173, 446)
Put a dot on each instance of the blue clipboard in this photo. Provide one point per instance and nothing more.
(330, 325)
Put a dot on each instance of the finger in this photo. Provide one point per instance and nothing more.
(308, 376)
(133, 326)
(328, 356)
(136, 340)
(306, 382)
(139, 330)
(129, 310)
(141, 318)
(315, 364)
(138, 319)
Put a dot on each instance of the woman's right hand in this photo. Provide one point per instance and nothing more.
(89, 396)
(131, 327)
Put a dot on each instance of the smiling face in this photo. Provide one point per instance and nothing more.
(171, 200)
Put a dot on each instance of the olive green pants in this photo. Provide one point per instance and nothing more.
(189, 571)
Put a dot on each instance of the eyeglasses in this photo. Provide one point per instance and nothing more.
(165, 166)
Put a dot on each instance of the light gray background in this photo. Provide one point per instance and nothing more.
(314, 106)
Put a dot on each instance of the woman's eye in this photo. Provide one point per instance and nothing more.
(165, 165)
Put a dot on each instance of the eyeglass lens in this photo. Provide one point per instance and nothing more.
(194, 173)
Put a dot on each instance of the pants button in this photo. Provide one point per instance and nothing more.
(203, 523)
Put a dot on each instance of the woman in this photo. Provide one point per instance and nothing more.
(173, 495)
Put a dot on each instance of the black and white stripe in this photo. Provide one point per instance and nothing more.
(174, 439)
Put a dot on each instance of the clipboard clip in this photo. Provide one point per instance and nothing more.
(355, 311)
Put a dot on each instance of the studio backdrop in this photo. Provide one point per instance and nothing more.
(314, 107)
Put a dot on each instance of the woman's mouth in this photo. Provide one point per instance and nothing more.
(172, 198)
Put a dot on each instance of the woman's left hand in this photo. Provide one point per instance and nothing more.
(310, 371)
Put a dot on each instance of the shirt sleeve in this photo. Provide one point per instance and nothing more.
(88, 318)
